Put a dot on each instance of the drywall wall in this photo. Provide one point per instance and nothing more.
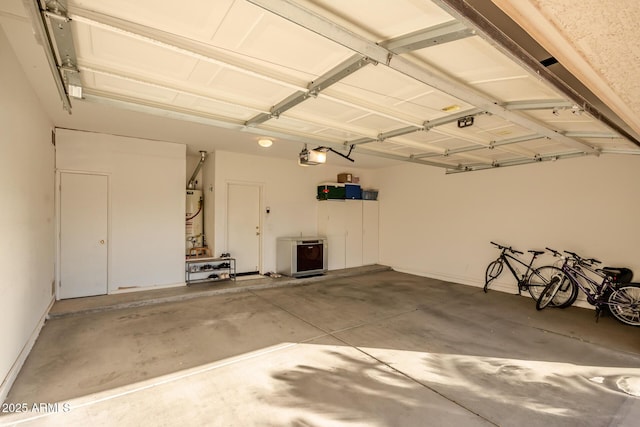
(289, 190)
(147, 203)
(440, 225)
(208, 180)
(26, 218)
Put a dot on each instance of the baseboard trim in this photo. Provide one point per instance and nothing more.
(439, 276)
(7, 382)
(129, 289)
(509, 288)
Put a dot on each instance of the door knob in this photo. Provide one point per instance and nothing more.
(102, 242)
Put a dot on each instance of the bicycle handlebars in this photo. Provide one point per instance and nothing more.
(509, 248)
(590, 261)
(575, 256)
(554, 252)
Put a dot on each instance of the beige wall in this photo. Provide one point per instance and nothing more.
(26, 217)
(288, 189)
(440, 225)
(146, 179)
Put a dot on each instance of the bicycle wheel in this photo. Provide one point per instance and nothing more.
(493, 270)
(548, 293)
(541, 277)
(624, 304)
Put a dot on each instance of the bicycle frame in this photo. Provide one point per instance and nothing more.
(622, 300)
(505, 257)
(511, 257)
(595, 289)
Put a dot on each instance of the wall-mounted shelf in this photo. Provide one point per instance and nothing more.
(209, 269)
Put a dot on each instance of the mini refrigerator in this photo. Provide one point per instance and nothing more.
(301, 256)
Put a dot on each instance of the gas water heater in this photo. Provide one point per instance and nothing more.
(193, 220)
(194, 211)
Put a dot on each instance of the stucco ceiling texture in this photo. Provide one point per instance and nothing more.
(597, 40)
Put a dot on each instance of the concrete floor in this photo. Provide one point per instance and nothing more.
(377, 349)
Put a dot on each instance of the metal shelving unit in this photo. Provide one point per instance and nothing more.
(209, 269)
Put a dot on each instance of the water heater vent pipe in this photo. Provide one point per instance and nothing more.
(192, 181)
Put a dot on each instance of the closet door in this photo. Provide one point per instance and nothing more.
(331, 224)
(353, 233)
(370, 232)
(83, 235)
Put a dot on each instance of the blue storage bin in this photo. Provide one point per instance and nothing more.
(352, 191)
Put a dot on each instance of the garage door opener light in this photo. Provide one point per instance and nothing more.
(318, 155)
(312, 157)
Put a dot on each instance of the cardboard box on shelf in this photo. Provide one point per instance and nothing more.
(345, 177)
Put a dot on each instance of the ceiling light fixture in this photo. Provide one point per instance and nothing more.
(265, 142)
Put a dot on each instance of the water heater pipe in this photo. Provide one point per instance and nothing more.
(192, 181)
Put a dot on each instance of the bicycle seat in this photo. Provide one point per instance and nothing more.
(618, 274)
(537, 252)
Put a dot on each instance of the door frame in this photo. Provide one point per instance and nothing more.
(260, 186)
(58, 225)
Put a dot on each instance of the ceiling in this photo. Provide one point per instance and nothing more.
(385, 81)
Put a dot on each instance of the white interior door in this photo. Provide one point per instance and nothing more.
(243, 225)
(83, 235)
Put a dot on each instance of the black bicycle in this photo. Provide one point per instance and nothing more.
(622, 300)
(533, 280)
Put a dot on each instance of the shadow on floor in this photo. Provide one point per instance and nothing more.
(416, 344)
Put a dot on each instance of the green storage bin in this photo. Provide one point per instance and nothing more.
(331, 191)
